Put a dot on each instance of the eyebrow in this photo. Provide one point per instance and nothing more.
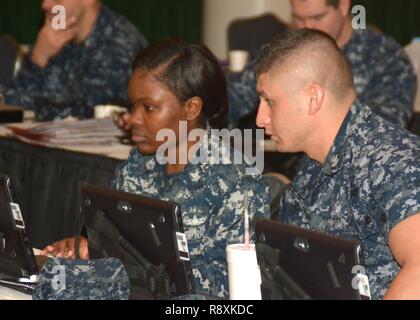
(264, 95)
(131, 100)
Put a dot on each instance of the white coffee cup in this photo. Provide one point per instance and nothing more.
(244, 272)
(238, 60)
(107, 111)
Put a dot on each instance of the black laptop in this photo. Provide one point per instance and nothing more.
(18, 267)
(298, 264)
(145, 234)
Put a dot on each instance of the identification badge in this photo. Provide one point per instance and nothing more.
(17, 216)
(182, 243)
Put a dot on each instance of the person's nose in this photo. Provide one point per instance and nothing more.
(263, 116)
(136, 116)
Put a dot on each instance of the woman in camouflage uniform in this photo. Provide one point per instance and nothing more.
(177, 82)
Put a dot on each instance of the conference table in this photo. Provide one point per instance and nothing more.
(47, 182)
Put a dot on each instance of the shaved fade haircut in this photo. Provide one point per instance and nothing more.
(315, 54)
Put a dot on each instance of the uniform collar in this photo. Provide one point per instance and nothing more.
(191, 175)
(311, 172)
(340, 150)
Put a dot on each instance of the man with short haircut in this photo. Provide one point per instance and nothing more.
(68, 72)
(360, 176)
(382, 72)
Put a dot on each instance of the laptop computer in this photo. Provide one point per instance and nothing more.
(298, 264)
(145, 234)
(18, 266)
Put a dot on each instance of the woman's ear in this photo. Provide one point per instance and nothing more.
(193, 108)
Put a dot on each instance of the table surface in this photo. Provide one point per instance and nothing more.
(10, 294)
(115, 151)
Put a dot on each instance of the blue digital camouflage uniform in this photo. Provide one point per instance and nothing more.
(211, 197)
(64, 279)
(369, 183)
(383, 75)
(83, 75)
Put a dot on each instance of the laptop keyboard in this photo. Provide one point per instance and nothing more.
(25, 288)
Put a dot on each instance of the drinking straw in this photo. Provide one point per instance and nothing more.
(246, 220)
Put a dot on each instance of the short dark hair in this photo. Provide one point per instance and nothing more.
(295, 41)
(188, 70)
(285, 44)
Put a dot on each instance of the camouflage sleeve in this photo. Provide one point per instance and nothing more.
(392, 90)
(118, 179)
(395, 185)
(223, 228)
(27, 84)
(106, 78)
(242, 91)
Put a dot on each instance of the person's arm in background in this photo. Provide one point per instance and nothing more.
(392, 90)
(226, 226)
(242, 92)
(404, 240)
(29, 81)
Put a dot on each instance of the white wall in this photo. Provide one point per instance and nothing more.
(219, 13)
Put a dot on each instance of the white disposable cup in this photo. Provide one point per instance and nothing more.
(107, 111)
(244, 272)
(238, 60)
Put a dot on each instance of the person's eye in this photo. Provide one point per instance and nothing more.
(149, 108)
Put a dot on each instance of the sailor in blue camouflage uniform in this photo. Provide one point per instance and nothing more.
(177, 82)
(69, 72)
(211, 197)
(360, 177)
(64, 279)
(383, 74)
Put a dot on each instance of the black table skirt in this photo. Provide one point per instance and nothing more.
(47, 183)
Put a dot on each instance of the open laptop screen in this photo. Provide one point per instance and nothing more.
(144, 234)
(303, 264)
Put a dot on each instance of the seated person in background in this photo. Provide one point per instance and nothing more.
(378, 64)
(175, 81)
(68, 72)
(360, 177)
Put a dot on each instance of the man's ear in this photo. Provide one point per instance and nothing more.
(316, 98)
(193, 108)
(344, 7)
